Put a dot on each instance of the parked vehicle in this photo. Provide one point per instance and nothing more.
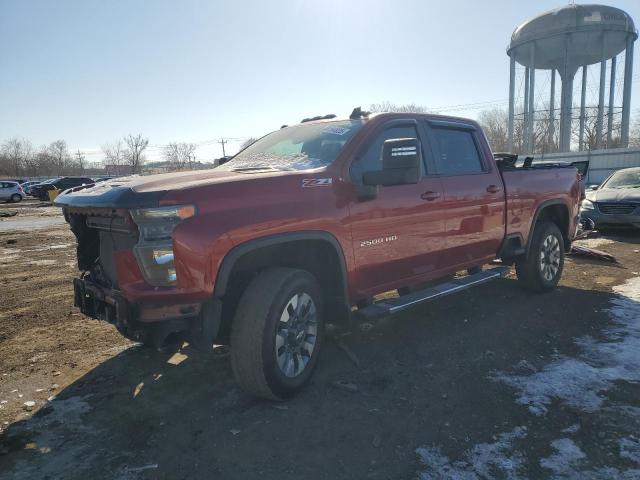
(38, 187)
(307, 223)
(11, 191)
(26, 186)
(63, 183)
(615, 203)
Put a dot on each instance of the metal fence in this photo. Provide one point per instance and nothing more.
(601, 162)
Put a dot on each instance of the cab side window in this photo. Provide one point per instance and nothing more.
(456, 152)
(372, 158)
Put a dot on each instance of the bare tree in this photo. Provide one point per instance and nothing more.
(134, 154)
(494, 123)
(180, 154)
(114, 153)
(60, 156)
(387, 106)
(634, 134)
(247, 142)
(16, 153)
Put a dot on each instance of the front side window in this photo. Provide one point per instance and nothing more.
(372, 158)
(457, 153)
(300, 147)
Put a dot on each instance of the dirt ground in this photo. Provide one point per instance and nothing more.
(490, 383)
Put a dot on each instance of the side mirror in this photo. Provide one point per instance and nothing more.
(401, 158)
(592, 187)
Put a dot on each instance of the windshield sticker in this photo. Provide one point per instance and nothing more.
(336, 130)
(316, 182)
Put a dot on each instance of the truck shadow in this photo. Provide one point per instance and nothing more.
(421, 378)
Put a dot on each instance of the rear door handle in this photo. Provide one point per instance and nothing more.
(493, 189)
(430, 196)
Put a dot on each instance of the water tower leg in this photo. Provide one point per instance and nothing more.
(532, 106)
(525, 115)
(512, 89)
(582, 107)
(626, 92)
(566, 106)
(566, 100)
(603, 78)
(612, 91)
(552, 113)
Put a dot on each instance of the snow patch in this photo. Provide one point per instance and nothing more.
(581, 382)
(566, 461)
(567, 456)
(485, 460)
(594, 242)
(630, 449)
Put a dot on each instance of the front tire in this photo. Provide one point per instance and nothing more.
(540, 270)
(277, 333)
(15, 198)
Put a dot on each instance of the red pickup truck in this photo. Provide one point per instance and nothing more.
(305, 226)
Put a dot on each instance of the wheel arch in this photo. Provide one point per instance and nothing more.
(316, 251)
(555, 211)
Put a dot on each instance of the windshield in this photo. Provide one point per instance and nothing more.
(624, 179)
(300, 147)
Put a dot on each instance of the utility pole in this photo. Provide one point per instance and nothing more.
(80, 159)
(222, 142)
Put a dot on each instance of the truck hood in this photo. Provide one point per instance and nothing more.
(614, 195)
(146, 191)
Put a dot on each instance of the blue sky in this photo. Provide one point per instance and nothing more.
(92, 71)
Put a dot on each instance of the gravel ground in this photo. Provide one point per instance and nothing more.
(491, 383)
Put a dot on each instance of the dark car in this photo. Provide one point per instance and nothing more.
(63, 183)
(615, 203)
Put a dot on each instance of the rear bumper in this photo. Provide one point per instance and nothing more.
(602, 220)
(149, 323)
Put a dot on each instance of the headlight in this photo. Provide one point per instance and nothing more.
(587, 205)
(154, 250)
(157, 224)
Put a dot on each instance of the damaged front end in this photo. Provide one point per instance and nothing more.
(128, 276)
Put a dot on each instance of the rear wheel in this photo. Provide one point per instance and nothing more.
(540, 270)
(15, 198)
(277, 333)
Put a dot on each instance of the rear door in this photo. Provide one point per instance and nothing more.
(398, 234)
(473, 193)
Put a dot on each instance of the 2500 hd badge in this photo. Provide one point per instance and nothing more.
(377, 241)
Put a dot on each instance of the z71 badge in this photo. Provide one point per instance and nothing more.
(316, 182)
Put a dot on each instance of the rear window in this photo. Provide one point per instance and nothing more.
(456, 152)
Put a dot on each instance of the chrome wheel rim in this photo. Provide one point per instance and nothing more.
(550, 257)
(296, 335)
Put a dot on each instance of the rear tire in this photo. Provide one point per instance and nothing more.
(15, 198)
(277, 333)
(540, 270)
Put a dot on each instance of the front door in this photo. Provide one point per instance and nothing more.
(398, 235)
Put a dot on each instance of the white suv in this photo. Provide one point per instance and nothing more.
(10, 191)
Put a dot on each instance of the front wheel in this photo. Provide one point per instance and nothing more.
(540, 270)
(15, 198)
(277, 333)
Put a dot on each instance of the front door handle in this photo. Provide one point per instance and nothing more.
(430, 196)
(493, 189)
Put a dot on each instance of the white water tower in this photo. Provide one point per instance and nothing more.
(566, 40)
